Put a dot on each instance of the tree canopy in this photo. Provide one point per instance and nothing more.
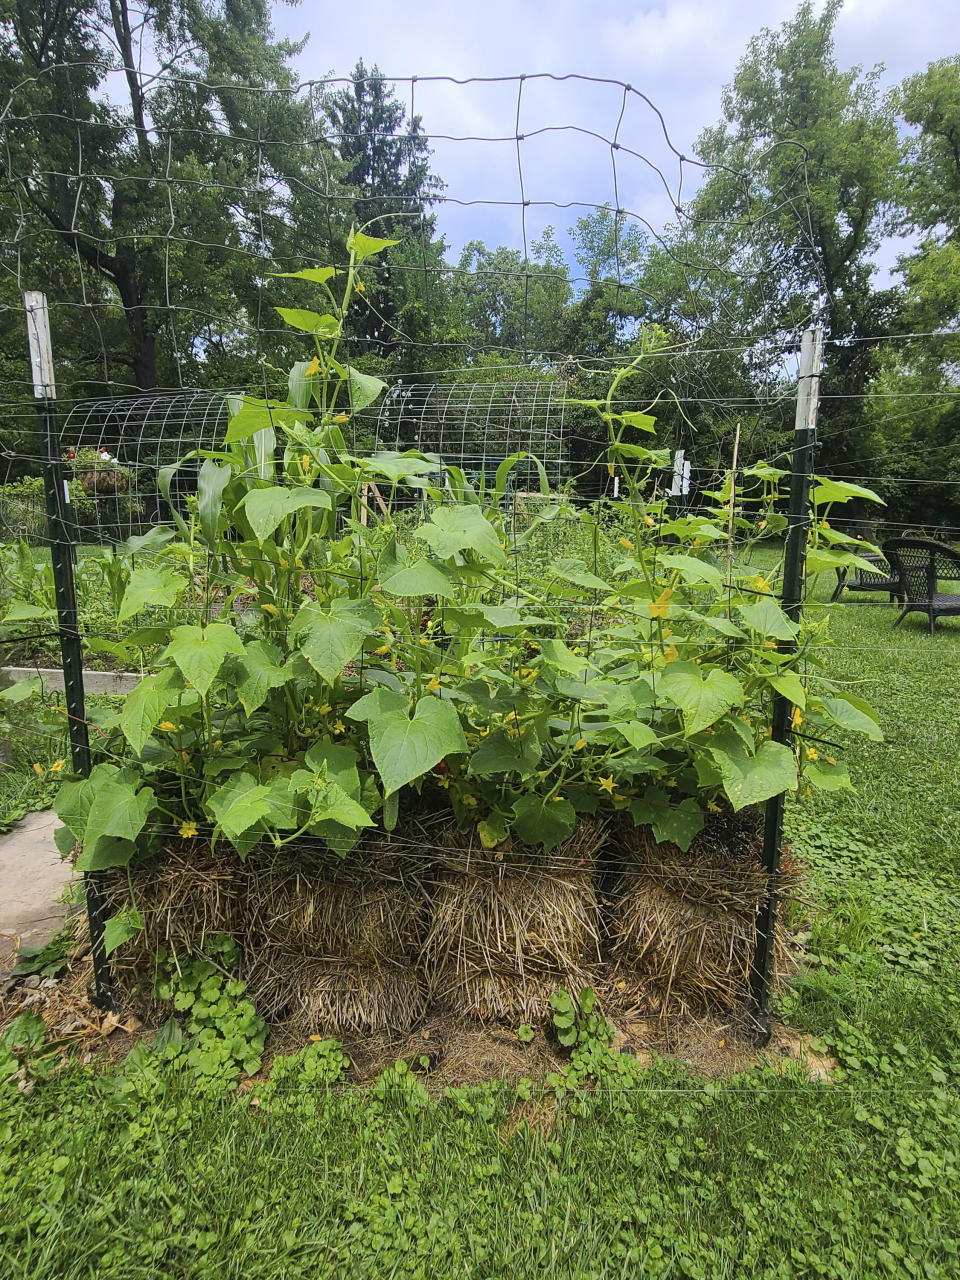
(161, 164)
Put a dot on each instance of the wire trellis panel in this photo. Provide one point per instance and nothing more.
(475, 425)
(112, 449)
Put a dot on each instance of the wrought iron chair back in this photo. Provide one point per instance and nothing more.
(922, 565)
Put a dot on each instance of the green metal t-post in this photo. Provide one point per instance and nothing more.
(61, 552)
(798, 523)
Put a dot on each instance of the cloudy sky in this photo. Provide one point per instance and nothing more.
(679, 53)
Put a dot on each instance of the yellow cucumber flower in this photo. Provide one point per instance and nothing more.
(659, 608)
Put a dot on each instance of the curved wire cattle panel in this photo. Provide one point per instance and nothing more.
(112, 449)
(475, 425)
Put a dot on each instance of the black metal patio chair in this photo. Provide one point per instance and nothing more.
(883, 578)
(922, 565)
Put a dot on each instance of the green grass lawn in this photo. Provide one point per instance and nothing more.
(643, 1173)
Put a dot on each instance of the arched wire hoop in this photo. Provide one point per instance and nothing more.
(112, 449)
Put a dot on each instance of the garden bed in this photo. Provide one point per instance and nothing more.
(426, 923)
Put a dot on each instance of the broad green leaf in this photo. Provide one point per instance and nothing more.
(65, 841)
(72, 805)
(340, 763)
(108, 852)
(199, 651)
(365, 246)
(144, 706)
(827, 777)
(677, 824)
(702, 699)
(641, 421)
(424, 578)
(378, 702)
(329, 640)
(498, 753)
(403, 748)
(823, 559)
(22, 690)
(638, 734)
(120, 929)
(259, 669)
(556, 653)
(716, 623)
(153, 540)
(265, 508)
(766, 616)
(453, 530)
(317, 275)
(848, 716)
(748, 779)
(493, 830)
(21, 611)
(287, 809)
(26, 1031)
(658, 457)
(309, 321)
(211, 483)
(240, 804)
(543, 822)
(827, 490)
(338, 807)
(397, 467)
(258, 415)
(693, 570)
(576, 571)
(119, 807)
(149, 586)
(791, 686)
(765, 471)
(329, 801)
(364, 388)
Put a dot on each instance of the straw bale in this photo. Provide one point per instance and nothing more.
(367, 910)
(681, 929)
(324, 996)
(186, 895)
(502, 996)
(507, 928)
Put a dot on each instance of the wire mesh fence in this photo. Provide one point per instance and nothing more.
(168, 219)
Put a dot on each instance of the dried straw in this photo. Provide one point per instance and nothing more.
(321, 939)
(508, 928)
(323, 996)
(368, 909)
(682, 927)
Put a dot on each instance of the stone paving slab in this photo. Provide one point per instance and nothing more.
(32, 879)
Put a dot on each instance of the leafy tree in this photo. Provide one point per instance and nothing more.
(929, 192)
(508, 303)
(610, 252)
(913, 411)
(386, 160)
(804, 163)
(158, 199)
